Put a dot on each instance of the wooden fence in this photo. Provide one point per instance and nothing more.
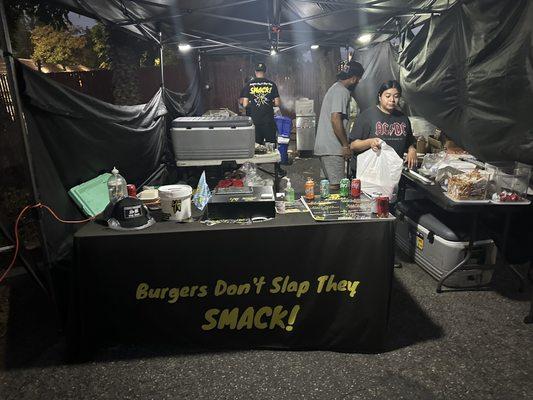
(222, 78)
(6, 101)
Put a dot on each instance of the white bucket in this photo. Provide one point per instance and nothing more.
(176, 201)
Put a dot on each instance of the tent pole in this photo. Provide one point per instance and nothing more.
(161, 60)
(5, 43)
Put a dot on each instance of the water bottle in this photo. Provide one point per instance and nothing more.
(116, 186)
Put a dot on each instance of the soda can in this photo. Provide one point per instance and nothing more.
(132, 190)
(309, 189)
(382, 207)
(344, 187)
(355, 188)
(324, 188)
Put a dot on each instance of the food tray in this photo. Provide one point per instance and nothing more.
(511, 203)
(486, 201)
(489, 201)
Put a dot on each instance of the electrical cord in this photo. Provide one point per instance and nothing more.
(17, 241)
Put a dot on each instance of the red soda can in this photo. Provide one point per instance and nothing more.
(132, 190)
(355, 188)
(382, 206)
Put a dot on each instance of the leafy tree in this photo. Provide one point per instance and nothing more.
(97, 38)
(56, 46)
(24, 15)
(21, 37)
(124, 56)
(41, 11)
(170, 55)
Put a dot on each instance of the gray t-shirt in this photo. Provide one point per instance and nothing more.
(336, 100)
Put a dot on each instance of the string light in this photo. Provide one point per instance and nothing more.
(365, 38)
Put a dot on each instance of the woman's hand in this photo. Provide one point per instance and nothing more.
(411, 158)
(375, 144)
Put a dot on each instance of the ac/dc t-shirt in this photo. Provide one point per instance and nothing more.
(261, 93)
(394, 129)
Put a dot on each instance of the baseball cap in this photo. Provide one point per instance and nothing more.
(349, 69)
(260, 67)
(128, 213)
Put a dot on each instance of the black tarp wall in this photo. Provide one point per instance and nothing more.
(74, 137)
(470, 72)
(380, 64)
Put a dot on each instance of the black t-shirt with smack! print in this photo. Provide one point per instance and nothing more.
(394, 129)
(261, 93)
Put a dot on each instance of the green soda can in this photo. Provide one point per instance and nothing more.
(344, 187)
(324, 188)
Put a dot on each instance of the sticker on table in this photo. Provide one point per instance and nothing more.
(419, 241)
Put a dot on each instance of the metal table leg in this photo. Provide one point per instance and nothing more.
(473, 236)
(529, 318)
(507, 225)
(276, 177)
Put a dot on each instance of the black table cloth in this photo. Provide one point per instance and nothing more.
(288, 283)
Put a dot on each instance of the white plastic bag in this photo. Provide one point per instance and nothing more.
(379, 171)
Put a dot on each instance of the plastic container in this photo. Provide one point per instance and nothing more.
(509, 176)
(92, 196)
(176, 201)
(284, 125)
(116, 186)
(468, 186)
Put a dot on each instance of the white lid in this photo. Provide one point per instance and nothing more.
(114, 171)
(175, 191)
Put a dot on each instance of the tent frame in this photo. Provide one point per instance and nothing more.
(5, 45)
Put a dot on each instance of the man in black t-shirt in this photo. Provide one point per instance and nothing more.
(261, 95)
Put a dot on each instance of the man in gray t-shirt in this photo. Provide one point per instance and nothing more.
(331, 144)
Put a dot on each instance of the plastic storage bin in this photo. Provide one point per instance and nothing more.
(213, 138)
(284, 125)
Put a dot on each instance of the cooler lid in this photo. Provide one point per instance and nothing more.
(212, 122)
(449, 226)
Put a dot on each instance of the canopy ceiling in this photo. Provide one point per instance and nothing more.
(257, 26)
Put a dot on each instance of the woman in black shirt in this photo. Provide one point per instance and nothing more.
(385, 122)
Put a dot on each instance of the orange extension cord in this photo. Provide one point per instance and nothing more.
(17, 242)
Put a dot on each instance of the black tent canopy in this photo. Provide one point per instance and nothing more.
(468, 71)
(257, 26)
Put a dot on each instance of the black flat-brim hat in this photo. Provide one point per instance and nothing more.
(130, 212)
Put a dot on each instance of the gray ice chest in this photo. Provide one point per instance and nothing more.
(213, 138)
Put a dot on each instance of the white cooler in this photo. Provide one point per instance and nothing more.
(438, 242)
(213, 138)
